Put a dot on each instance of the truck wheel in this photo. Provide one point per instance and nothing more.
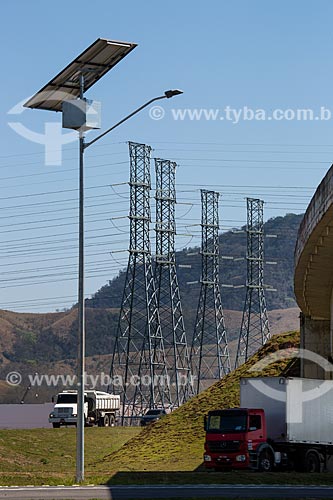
(266, 461)
(111, 420)
(297, 464)
(103, 421)
(312, 462)
(56, 425)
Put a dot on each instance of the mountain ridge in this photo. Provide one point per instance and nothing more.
(41, 340)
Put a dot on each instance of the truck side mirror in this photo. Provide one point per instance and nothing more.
(52, 399)
(205, 423)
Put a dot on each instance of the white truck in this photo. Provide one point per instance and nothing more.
(100, 408)
(281, 422)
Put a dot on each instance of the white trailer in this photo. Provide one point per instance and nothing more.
(100, 408)
(281, 423)
(298, 414)
(296, 409)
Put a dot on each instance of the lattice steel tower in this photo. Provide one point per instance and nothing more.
(139, 358)
(254, 331)
(168, 296)
(210, 358)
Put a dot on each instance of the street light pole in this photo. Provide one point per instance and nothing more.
(81, 314)
(81, 306)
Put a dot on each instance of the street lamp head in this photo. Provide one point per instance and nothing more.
(171, 93)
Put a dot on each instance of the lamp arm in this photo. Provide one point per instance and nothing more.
(87, 144)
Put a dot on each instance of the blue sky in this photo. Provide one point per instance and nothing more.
(258, 54)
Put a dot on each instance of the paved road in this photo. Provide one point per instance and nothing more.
(165, 491)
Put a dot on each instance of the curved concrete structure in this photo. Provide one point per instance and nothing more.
(314, 253)
(313, 280)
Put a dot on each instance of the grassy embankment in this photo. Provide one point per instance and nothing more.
(169, 451)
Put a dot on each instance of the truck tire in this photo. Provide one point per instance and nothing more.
(265, 461)
(111, 421)
(297, 463)
(312, 461)
(103, 421)
(56, 425)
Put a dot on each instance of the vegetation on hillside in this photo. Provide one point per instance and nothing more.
(177, 439)
(281, 233)
(97, 363)
(31, 342)
(173, 444)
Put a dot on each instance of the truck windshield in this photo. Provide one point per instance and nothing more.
(227, 422)
(63, 399)
(66, 398)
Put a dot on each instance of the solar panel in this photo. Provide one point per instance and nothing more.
(94, 62)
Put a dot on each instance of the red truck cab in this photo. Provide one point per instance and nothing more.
(232, 436)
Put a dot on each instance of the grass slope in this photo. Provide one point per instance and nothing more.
(169, 451)
(47, 456)
(176, 442)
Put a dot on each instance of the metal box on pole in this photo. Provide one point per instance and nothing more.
(81, 114)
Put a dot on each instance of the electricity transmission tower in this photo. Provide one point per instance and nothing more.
(139, 371)
(254, 331)
(210, 353)
(168, 296)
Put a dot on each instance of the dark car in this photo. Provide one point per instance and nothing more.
(152, 416)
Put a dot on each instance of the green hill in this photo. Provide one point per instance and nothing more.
(175, 443)
(46, 344)
(281, 233)
(30, 342)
